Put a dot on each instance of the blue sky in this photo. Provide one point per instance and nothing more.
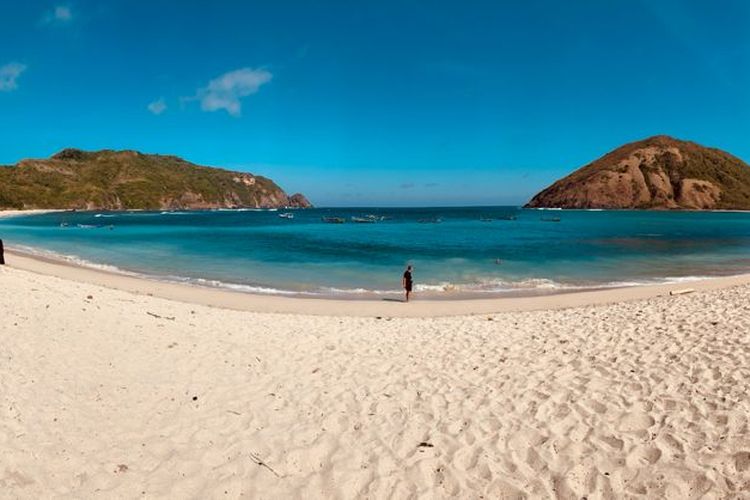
(375, 103)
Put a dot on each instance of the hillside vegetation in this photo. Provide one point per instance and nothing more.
(118, 180)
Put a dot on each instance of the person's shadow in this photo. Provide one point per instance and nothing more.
(386, 299)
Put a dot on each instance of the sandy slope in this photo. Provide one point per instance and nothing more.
(110, 394)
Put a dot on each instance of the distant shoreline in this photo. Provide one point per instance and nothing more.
(6, 214)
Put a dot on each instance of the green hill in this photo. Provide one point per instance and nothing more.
(656, 173)
(120, 180)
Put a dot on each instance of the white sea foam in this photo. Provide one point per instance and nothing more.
(480, 287)
(264, 290)
(71, 259)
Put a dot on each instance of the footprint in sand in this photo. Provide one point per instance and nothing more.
(643, 455)
(635, 421)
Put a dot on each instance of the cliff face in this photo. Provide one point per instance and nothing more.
(119, 180)
(656, 173)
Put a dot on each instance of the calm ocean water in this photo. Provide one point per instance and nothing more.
(455, 251)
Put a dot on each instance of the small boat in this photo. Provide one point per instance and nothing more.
(364, 220)
(333, 220)
(431, 220)
(550, 219)
(375, 218)
(64, 224)
(286, 215)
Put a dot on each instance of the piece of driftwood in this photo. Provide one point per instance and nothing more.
(255, 458)
(682, 291)
(170, 318)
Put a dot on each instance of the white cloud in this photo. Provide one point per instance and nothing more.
(225, 91)
(9, 74)
(157, 107)
(61, 14)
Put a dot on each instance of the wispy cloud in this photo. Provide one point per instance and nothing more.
(226, 91)
(60, 14)
(407, 185)
(158, 106)
(9, 75)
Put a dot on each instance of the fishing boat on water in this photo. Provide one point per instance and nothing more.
(364, 220)
(333, 220)
(286, 215)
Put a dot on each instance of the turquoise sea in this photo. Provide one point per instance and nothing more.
(455, 251)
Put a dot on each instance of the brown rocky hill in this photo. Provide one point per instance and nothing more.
(656, 173)
(120, 180)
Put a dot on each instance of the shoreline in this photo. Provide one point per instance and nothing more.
(6, 214)
(449, 292)
(388, 307)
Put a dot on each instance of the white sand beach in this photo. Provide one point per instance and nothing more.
(16, 213)
(116, 393)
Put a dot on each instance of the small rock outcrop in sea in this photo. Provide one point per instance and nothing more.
(656, 173)
(121, 180)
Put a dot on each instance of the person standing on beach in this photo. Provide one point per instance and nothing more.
(407, 282)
